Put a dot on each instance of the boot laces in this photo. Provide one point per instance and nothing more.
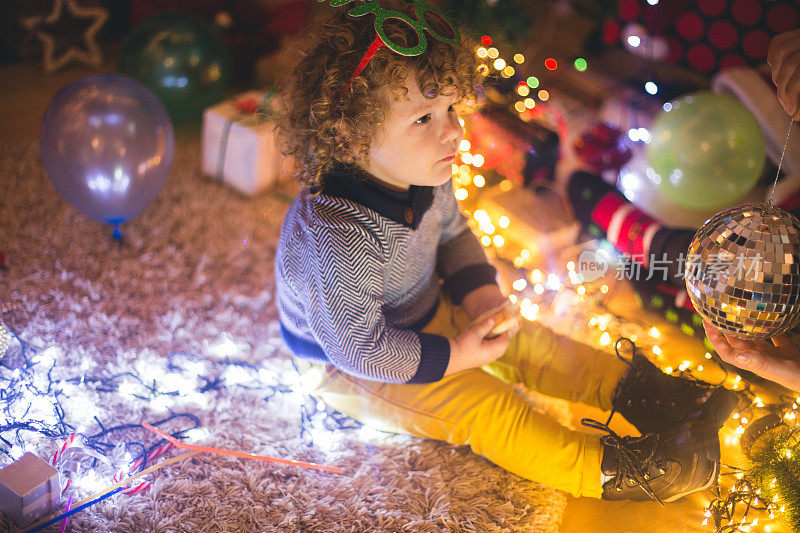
(635, 456)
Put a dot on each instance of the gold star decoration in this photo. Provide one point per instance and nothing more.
(89, 54)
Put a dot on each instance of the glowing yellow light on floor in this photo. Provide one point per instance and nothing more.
(657, 349)
(503, 222)
(477, 160)
(605, 339)
(654, 332)
(461, 194)
(499, 63)
(465, 179)
(478, 181)
(529, 311)
(464, 145)
(525, 253)
(518, 262)
(634, 338)
(463, 168)
(482, 52)
(571, 265)
(493, 53)
(466, 157)
(536, 276)
(461, 121)
(519, 284)
(454, 169)
(498, 240)
(538, 288)
(543, 95)
(699, 368)
(668, 370)
(581, 290)
(506, 185)
(529, 103)
(523, 90)
(685, 365)
(508, 71)
(486, 240)
(519, 59)
(519, 106)
(604, 289)
(488, 228)
(480, 215)
(708, 355)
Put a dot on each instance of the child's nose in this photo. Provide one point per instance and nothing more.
(452, 130)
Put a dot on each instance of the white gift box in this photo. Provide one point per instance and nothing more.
(240, 147)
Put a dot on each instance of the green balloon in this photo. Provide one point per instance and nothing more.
(182, 58)
(707, 151)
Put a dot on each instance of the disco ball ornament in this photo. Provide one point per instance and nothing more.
(743, 271)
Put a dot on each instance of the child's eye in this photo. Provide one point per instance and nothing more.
(424, 119)
(451, 108)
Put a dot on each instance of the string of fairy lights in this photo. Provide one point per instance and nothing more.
(738, 504)
(42, 397)
(39, 400)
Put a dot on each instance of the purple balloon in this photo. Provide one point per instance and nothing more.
(107, 145)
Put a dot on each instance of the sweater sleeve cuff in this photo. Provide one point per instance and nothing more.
(466, 280)
(434, 358)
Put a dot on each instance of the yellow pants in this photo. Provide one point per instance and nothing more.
(479, 407)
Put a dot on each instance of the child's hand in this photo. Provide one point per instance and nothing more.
(470, 349)
(777, 361)
(784, 58)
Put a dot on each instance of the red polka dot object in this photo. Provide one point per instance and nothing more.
(709, 35)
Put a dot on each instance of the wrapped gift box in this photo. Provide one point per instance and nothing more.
(29, 490)
(240, 146)
(524, 152)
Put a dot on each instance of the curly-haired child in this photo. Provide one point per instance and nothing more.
(380, 280)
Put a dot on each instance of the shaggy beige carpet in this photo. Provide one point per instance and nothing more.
(195, 275)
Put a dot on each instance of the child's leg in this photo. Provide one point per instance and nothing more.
(474, 408)
(555, 365)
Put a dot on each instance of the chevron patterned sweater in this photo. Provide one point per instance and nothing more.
(358, 272)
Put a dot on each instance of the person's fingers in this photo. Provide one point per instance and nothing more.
(483, 327)
(792, 89)
(783, 371)
(783, 74)
(780, 45)
(499, 343)
(714, 335)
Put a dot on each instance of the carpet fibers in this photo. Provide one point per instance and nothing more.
(193, 280)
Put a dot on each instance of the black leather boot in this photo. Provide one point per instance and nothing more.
(663, 467)
(656, 402)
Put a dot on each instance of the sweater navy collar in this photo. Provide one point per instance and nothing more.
(404, 207)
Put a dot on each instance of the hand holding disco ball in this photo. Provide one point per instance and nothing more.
(778, 360)
(107, 143)
(707, 151)
(743, 271)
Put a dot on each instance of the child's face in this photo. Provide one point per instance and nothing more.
(418, 140)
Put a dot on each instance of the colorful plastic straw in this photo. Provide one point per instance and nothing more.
(243, 455)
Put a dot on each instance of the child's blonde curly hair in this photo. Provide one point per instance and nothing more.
(327, 121)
